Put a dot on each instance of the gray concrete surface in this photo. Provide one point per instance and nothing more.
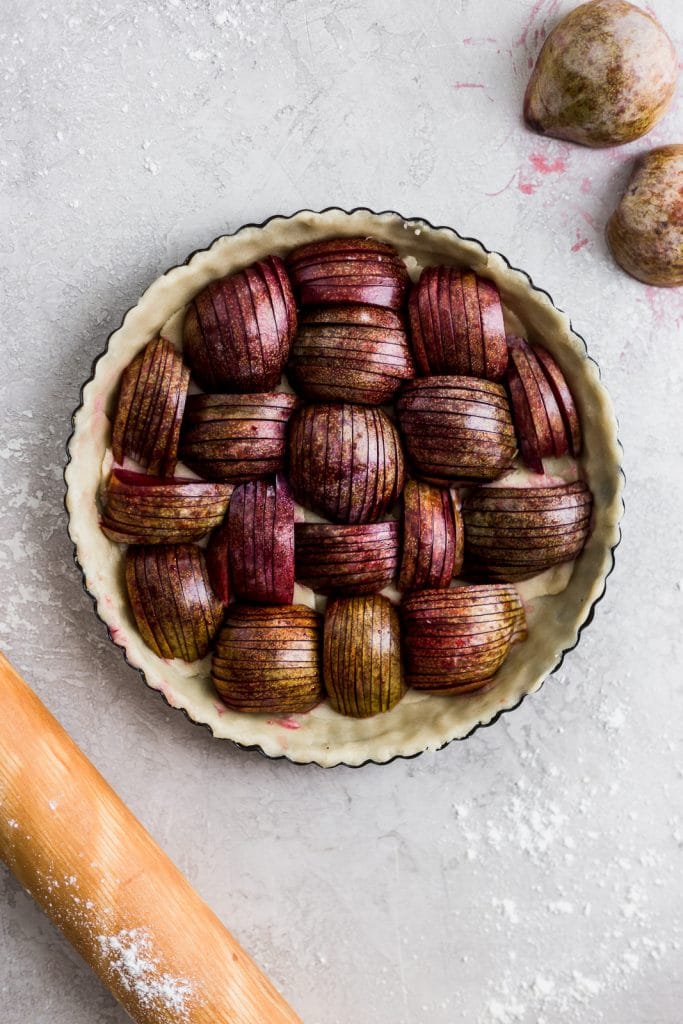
(531, 874)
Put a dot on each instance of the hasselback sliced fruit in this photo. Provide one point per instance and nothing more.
(267, 659)
(261, 541)
(150, 408)
(456, 324)
(236, 437)
(432, 537)
(350, 353)
(360, 270)
(455, 640)
(345, 461)
(141, 509)
(174, 606)
(456, 428)
(237, 331)
(353, 345)
(513, 533)
(334, 559)
(361, 655)
(543, 409)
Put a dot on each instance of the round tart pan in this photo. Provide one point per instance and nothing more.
(559, 603)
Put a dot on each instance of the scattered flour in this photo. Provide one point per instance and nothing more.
(561, 907)
(132, 961)
(505, 1013)
(508, 908)
(151, 166)
(613, 718)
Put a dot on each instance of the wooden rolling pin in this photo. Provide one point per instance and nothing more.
(92, 867)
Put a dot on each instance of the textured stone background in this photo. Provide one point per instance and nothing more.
(531, 874)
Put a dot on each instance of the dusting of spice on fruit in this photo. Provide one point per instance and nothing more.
(377, 492)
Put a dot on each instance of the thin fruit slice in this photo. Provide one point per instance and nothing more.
(563, 396)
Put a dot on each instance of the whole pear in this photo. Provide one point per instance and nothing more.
(605, 76)
(645, 232)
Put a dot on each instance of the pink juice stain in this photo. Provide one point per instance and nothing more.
(285, 723)
(664, 304)
(530, 20)
(539, 32)
(543, 166)
(580, 244)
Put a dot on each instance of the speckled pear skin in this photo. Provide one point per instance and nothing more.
(362, 655)
(645, 232)
(605, 76)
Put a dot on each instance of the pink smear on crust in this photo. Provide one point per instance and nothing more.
(580, 244)
(285, 723)
(219, 707)
(99, 403)
(543, 166)
(586, 186)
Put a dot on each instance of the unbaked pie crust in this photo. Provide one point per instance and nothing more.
(558, 603)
